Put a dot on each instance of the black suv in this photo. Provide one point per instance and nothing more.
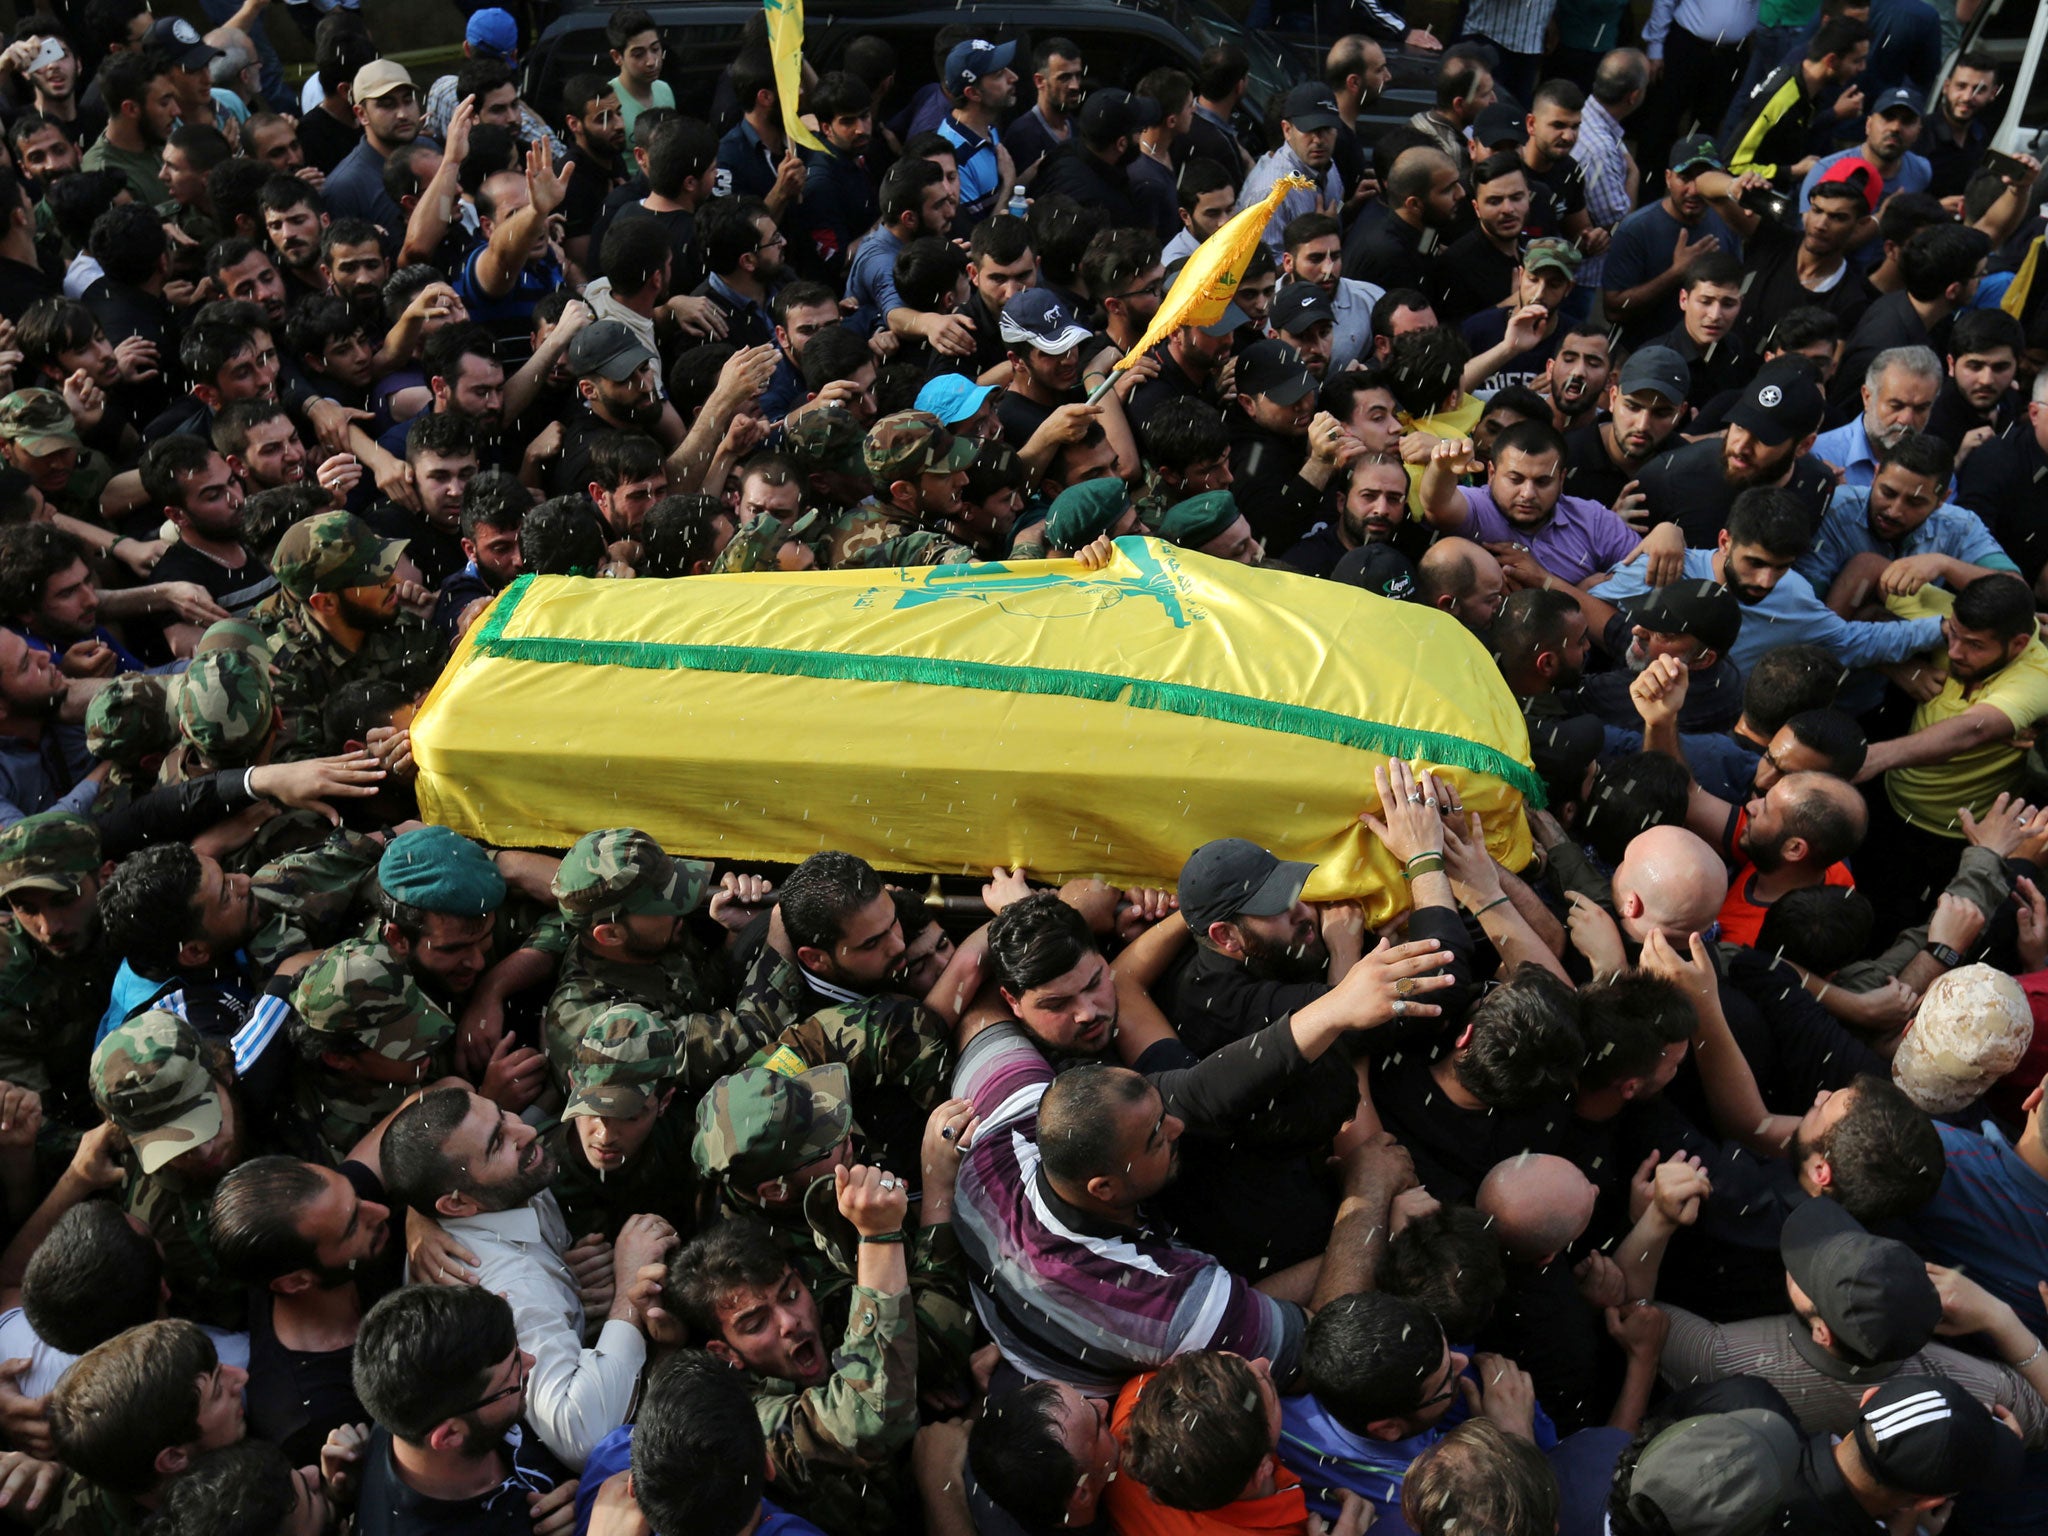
(1121, 41)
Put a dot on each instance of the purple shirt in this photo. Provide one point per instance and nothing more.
(1581, 537)
(1068, 1296)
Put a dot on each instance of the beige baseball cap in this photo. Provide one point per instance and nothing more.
(379, 77)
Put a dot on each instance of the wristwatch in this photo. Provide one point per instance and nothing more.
(1949, 958)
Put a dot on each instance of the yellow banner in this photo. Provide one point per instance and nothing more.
(952, 718)
(1209, 280)
(786, 49)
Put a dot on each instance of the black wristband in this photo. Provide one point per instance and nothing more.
(884, 1237)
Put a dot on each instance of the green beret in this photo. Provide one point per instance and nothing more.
(1082, 513)
(1194, 522)
(438, 870)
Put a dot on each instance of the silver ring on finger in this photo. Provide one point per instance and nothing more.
(1400, 1006)
(1432, 802)
(1415, 797)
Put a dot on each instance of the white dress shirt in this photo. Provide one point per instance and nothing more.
(574, 1396)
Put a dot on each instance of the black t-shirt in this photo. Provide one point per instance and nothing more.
(238, 590)
(297, 1397)
(436, 551)
(680, 225)
(1454, 1147)
(388, 1506)
(1589, 470)
(1954, 418)
(1772, 255)
(1021, 416)
(1554, 196)
(2001, 482)
(326, 141)
(1686, 486)
(1476, 275)
(584, 198)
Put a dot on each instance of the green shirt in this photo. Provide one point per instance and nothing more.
(142, 168)
(630, 109)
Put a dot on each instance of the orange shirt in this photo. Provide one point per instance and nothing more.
(1742, 916)
(1134, 1512)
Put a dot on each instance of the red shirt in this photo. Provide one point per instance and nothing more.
(1134, 1512)
(1742, 915)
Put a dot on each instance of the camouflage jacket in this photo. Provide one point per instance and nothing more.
(884, 1041)
(822, 1246)
(660, 1179)
(773, 994)
(837, 1448)
(308, 899)
(200, 1289)
(682, 987)
(872, 534)
(87, 1509)
(343, 1108)
(49, 1010)
(310, 666)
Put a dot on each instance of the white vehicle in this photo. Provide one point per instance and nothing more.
(2012, 32)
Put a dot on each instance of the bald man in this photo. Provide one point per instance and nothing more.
(1459, 577)
(1792, 836)
(1670, 882)
(1539, 1205)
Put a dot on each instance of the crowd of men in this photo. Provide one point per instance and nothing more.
(1689, 1179)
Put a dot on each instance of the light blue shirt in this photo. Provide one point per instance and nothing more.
(871, 280)
(1351, 339)
(1845, 533)
(1285, 162)
(1848, 448)
(1792, 614)
(1724, 23)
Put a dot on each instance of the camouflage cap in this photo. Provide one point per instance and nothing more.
(623, 870)
(130, 719)
(439, 870)
(358, 996)
(224, 706)
(53, 851)
(150, 1076)
(906, 444)
(771, 1120)
(39, 420)
(755, 546)
(623, 1056)
(233, 635)
(827, 438)
(331, 552)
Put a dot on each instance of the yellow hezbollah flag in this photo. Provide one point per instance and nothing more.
(951, 718)
(1208, 282)
(786, 48)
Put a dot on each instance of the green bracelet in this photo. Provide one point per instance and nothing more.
(1496, 902)
(885, 1237)
(1422, 864)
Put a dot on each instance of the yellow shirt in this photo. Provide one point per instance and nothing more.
(1454, 423)
(1927, 796)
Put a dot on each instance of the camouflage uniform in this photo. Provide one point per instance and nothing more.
(128, 726)
(310, 898)
(152, 1077)
(769, 1121)
(358, 999)
(436, 870)
(826, 440)
(332, 552)
(41, 422)
(225, 712)
(834, 1447)
(625, 1058)
(901, 446)
(87, 1509)
(620, 872)
(51, 1004)
(755, 547)
(1156, 498)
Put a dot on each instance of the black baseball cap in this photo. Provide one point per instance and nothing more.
(1659, 369)
(1926, 1435)
(1706, 610)
(1380, 569)
(607, 349)
(1275, 370)
(1719, 1474)
(1311, 106)
(1873, 1292)
(1232, 878)
(1692, 153)
(1499, 124)
(1111, 113)
(1299, 306)
(1782, 403)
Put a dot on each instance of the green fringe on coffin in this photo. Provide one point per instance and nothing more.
(1101, 687)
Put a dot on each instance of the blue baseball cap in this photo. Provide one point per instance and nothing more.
(493, 34)
(970, 60)
(953, 397)
(1037, 318)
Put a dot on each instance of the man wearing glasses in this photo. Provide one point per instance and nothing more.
(485, 1175)
(745, 252)
(445, 1375)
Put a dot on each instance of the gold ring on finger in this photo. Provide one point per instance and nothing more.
(1404, 986)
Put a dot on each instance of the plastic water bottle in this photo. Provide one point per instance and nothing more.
(1017, 204)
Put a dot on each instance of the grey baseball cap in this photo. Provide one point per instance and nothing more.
(1660, 369)
(1232, 877)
